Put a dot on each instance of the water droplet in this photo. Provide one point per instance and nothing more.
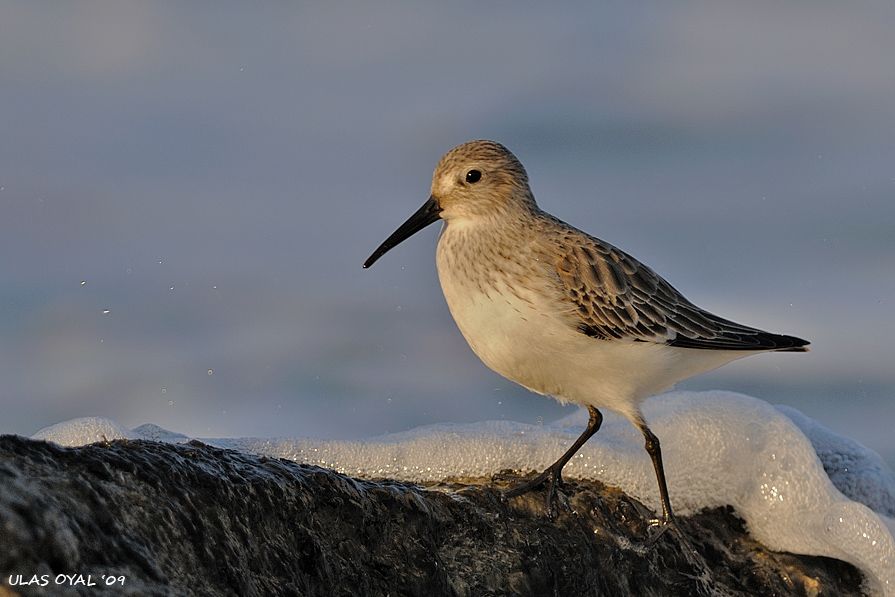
(211, 372)
(214, 287)
(389, 400)
(83, 282)
(171, 287)
(160, 261)
(106, 311)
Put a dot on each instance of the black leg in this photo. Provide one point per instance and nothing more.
(655, 452)
(553, 474)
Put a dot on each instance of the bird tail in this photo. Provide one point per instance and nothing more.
(791, 344)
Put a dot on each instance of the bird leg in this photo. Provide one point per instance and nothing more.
(553, 474)
(655, 453)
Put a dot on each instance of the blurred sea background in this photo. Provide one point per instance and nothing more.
(188, 190)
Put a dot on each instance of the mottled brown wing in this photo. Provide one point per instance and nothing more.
(614, 296)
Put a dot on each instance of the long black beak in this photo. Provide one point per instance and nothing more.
(427, 214)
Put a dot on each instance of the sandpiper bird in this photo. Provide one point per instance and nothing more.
(560, 312)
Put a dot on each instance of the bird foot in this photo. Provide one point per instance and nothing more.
(657, 528)
(552, 477)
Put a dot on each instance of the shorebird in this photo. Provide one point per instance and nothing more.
(561, 312)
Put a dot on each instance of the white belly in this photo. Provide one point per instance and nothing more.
(510, 336)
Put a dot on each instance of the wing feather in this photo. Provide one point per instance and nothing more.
(614, 296)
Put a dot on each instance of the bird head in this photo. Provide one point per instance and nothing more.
(474, 181)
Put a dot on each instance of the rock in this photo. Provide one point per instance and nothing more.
(183, 519)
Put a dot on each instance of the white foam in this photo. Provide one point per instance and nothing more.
(856, 471)
(83, 431)
(719, 449)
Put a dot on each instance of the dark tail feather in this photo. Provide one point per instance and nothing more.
(747, 339)
(803, 348)
(791, 344)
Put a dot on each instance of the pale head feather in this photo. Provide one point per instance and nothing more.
(502, 189)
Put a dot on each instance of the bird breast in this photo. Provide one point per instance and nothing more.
(499, 300)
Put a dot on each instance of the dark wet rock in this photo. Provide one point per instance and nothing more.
(191, 519)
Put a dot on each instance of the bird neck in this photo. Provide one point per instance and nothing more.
(491, 243)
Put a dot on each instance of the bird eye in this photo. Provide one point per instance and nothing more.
(473, 176)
